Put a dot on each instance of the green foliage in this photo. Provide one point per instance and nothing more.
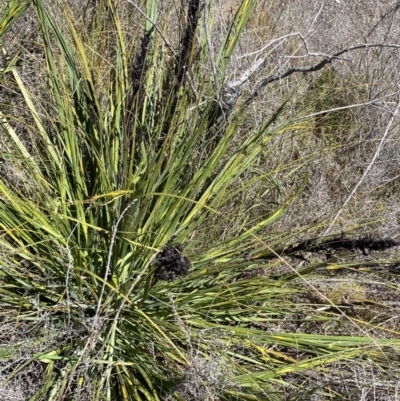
(116, 168)
(10, 12)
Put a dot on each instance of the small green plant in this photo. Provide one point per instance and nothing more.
(112, 190)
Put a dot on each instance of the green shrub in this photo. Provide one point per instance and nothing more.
(122, 172)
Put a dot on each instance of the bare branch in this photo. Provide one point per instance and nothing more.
(383, 17)
(327, 60)
(270, 43)
(246, 75)
(232, 89)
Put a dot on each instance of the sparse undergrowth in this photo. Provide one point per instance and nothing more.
(163, 237)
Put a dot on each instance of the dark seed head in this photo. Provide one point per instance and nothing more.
(171, 263)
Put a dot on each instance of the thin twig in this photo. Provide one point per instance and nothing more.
(280, 39)
(110, 253)
(209, 43)
(316, 17)
(155, 27)
(351, 106)
(375, 156)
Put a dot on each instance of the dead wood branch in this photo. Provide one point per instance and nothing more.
(327, 59)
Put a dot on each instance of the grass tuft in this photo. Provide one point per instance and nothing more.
(141, 256)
